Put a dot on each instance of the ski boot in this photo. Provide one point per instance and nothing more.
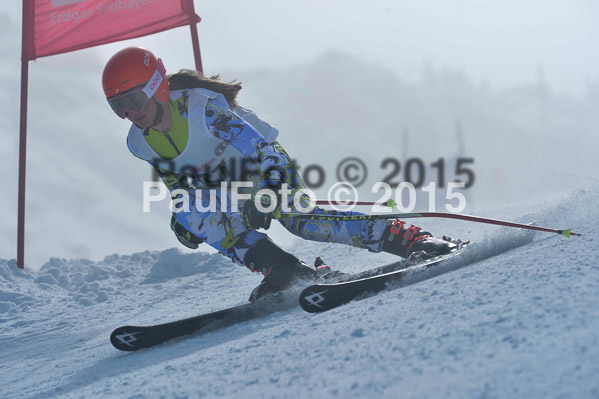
(413, 244)
(280, 269)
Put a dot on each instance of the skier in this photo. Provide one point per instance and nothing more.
(192, 131)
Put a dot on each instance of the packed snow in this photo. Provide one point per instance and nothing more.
(519, 319)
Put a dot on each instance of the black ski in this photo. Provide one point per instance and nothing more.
(320, 297)
(132, 338)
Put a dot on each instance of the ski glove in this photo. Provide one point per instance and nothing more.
(254, 219)
(183, 235)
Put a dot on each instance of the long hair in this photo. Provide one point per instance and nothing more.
(190, 79)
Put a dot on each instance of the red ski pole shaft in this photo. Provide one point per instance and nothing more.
(477, 219)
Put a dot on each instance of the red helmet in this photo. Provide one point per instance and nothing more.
(131, 78)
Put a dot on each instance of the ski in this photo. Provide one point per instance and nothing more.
(132, 338)
(321, 297)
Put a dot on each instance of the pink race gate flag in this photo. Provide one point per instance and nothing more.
(60, 26)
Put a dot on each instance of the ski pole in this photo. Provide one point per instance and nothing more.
(477, 219)
(389, 203)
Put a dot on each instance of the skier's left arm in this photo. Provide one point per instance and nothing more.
(222, 122)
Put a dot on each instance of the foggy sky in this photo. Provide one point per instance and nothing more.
(505, 43)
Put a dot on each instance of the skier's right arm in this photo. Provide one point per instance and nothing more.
(171, 180)
(174, 181)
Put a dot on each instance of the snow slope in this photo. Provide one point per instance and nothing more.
(521, 324)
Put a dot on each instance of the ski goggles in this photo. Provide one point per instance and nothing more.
(137, 99)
